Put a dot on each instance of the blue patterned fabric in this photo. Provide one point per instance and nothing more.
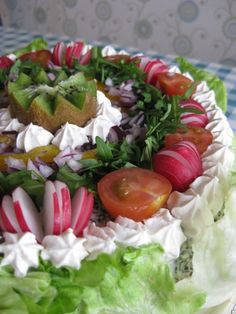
(11, 38)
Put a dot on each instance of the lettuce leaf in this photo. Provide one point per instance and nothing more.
(36, 44)
(213, 81)
(128, 281)
(215, 255)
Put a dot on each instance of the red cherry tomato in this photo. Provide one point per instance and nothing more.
(173, 84)
(117, 58)
(133, 192)
(43, 57)
(201, 137)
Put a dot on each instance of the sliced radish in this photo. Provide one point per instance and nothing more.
(142, 61)
(58, 54)
(51, 210)
(26, 213)
(73, 51)
(179, 163)
(5, 62)
(83, 222)
(8, 218)
(191, 118)
(85, 59)
(64, 202)
(153, 68)
(77, 206)
(82, 206)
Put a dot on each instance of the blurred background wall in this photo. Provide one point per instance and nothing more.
(203, 29)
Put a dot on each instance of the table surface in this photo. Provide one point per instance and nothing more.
(11, 38)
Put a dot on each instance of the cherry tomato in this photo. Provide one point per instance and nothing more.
(118, 58)
(43, 57)
(173, 84)
(134, 193)
(201, 137)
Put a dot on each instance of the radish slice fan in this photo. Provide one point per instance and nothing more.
(152, 68)
(82, 207)
(18, 213)
(191, 118)
(179, 163)
(65, 54)
(26, 213)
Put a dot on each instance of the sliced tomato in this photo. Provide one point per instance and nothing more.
(173, 84)
(43, 57)
(133, 192)
(201, 137)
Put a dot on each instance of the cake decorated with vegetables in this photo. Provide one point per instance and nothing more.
(117, 184)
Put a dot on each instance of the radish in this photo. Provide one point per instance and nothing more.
(86, 215)
(8, 219)
(179, 163)
(5, 62)
(85, 59)
(153, 68)
(26, 213)
(82, 207)
(58, 54)
(51, 210)
(73, 51)
(64, 202)
(193, 119)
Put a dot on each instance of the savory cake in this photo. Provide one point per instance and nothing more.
(116, 171)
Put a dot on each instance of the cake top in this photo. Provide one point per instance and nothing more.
(108, 162)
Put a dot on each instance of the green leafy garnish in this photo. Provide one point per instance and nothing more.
(213, 81)
(128, 281)
(36, 44)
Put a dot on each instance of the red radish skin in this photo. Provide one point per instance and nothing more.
(193, 119)
(64, 201)
(58, 54)
(86, 215)
(153, 69)
(73, 51)
(8, 219)
(77, 206)
(5, 62)
(26, 213)
(82, 207)
(180, 164)
(85, 59)
(2, 228)
(51, 210)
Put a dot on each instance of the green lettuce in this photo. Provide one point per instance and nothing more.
(36, 44)
(128, 281)
(213, 81)
(214, 256)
